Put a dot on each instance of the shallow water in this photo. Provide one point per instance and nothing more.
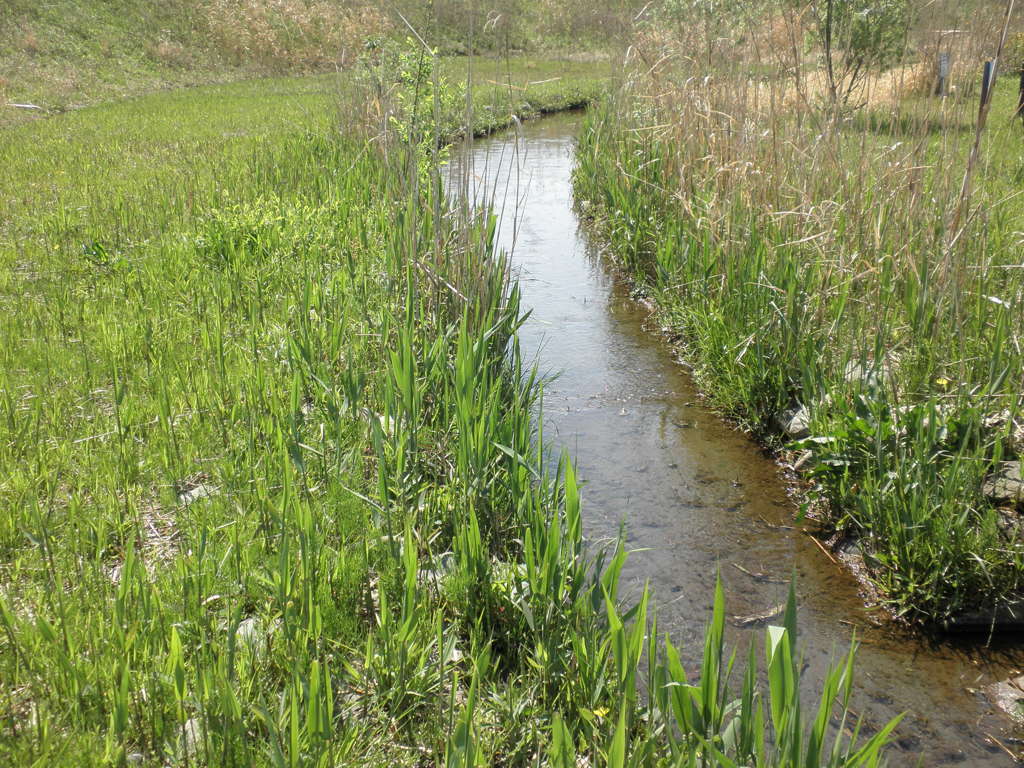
(696, 496)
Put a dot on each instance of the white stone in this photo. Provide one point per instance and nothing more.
(1008, 695)
(1005, 486)
(192, 738)
(201, 491)
(795, 422)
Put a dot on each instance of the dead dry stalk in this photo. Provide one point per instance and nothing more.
(984, 105)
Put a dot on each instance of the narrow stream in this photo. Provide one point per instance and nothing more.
(696, 496)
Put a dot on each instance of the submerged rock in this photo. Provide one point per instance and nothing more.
(795, 422)
(1008, 696)
(1006, 486)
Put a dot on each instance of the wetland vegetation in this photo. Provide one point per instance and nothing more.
(275, 489)
(849, 263)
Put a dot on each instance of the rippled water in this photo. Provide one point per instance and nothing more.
(695, 496)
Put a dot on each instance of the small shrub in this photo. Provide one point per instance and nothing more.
(858, 37)
(170, 53)
(419, 106)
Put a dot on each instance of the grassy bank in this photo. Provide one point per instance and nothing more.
(65, 54)
(119, 174)
(62, 55)
(273, 488)
(812, 262)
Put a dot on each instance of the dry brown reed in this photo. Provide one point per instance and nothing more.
(753, 132)
(291, 34)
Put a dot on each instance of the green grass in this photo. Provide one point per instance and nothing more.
(59, 55)
(790, 256)
(273, 489)
(123, 172)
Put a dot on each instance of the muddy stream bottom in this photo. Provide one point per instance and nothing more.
(695, 496)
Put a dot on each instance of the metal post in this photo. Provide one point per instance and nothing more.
(942, 88)
(986, 82)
